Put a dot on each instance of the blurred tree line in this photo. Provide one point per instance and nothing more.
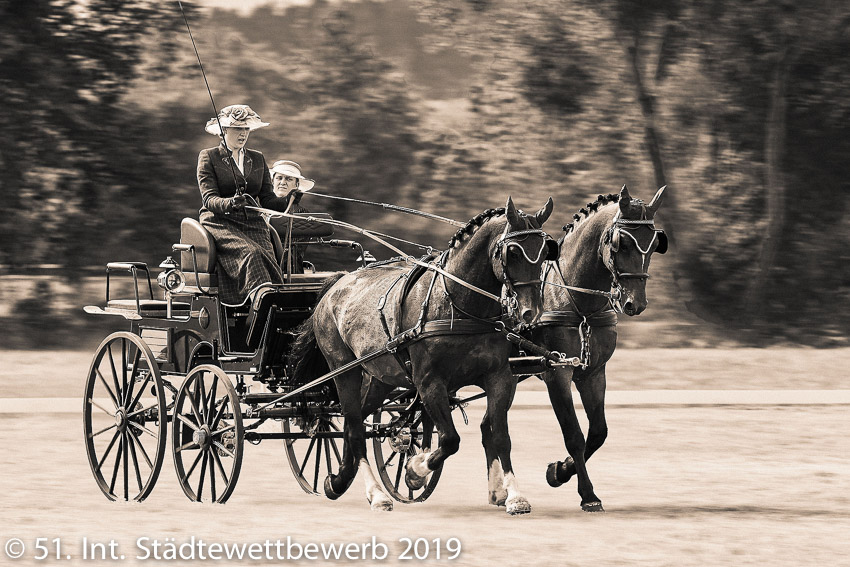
(451, 106)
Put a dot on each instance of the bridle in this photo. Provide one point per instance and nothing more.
(619, 229)
(513, 239)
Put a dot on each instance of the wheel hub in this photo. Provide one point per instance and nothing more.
(121, 419)
(400, 440)
(202, 437)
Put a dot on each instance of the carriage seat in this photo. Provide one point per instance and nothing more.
(192, 232)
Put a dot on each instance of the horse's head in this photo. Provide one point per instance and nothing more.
(517, 256)
(627, 246)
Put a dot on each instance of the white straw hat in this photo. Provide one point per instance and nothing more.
(235, 116)
(291, 169)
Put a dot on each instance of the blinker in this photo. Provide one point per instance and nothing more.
(552, 250)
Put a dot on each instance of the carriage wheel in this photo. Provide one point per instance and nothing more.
(124, 418)
(317, 452)
(404, 435)
(207, 435)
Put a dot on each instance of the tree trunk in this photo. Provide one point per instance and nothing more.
(774, 148)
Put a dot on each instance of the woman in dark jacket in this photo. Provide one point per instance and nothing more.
(230, 177)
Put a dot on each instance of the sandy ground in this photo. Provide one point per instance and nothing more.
(39, 374)
(682, 486)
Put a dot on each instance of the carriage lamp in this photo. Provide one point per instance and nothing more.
(171, 279)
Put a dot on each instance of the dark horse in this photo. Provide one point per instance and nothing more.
(607, 247)
(457, 344)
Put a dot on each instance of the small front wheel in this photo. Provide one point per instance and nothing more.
(207, 435)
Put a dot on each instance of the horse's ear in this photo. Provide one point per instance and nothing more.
(543, 214)
(656, 201)
(512, 214)
(625, 198)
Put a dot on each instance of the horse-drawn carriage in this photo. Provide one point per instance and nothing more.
(212, 376)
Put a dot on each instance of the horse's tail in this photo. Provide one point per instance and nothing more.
(304, 354)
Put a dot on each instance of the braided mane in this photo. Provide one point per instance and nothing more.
(591, 208)
(474, 223)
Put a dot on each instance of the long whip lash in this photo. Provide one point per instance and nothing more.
(239, 189)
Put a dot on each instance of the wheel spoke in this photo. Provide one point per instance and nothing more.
(115, 468)
(105, 429)
(142, 449)
(336, 452)
(220, 412)
(307, 456)
(145, 429)
(126, 461)
(188, 422)
(225, 449)
(139, 395)
(128, 395)
(328, 444)
(212, 479)
(101, 408)
(225, 430)
(108, 389)
(195, 464)
(202, 396)
(220, 467)
(399, 471)
(193, 399)
(203, 474)
(124, 385)
(142, 410)
(189, 445)
(318, 464)
(119, 393)
(108, 449)
(135, 462)
(211, 402)
(388, 461)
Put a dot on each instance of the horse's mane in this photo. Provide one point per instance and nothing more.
(474, 223)
(590, 208)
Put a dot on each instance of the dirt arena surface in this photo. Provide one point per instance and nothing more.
(682, 486)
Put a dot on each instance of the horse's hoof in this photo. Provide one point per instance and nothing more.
(329, 489)
(552, 475)
(498, 498)
(381, 503)
(517, 506)
(412, 478)
(595, 506)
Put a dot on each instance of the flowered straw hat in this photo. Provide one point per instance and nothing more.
(235, 116)
(291, 169)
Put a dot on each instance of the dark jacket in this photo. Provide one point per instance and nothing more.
(217, 184)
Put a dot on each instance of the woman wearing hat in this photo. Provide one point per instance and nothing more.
(288, 183)
(231, 176)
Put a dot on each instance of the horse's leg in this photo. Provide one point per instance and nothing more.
(354, 454)
(561, 397)
(497, 494)
(500, 388)
(435, 398)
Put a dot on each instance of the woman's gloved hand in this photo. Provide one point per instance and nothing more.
(237, 202)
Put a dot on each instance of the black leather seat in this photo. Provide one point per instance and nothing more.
(192, 232)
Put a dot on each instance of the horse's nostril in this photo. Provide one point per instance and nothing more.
(527, 316)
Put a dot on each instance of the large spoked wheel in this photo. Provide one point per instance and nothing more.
(398, 436)
(315, 449)
(207, 435)
(124, 418)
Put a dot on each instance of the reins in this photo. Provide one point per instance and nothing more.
(393, 208)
